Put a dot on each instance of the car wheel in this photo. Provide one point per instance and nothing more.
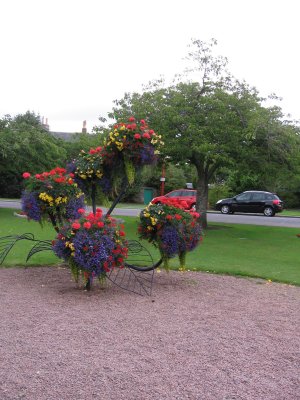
(225, 209)
(269, 212)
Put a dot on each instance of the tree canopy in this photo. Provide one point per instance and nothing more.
(214, 123)
(25, 146)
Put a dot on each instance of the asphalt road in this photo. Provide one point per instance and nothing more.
(251, 219)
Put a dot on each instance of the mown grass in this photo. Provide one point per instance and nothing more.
(247, 250)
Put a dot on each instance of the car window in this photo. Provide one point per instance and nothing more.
(243, 197)
(176, 193)
(258, 196)
(189, 194)
(270, 196)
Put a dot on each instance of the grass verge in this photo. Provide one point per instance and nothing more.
(245, 250)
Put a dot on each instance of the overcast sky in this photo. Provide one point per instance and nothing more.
(67, 60)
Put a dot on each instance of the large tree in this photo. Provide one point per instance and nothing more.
(210, 122)
(25, 146)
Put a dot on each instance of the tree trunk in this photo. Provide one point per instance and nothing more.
(202, 195)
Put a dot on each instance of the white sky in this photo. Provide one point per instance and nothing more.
(67, 60)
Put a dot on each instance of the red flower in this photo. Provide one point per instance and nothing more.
(76, 225)
(151, 132)
(121, 233)
(87, 225)
(98, 149)
(142, 122)
(131, 119)
(146, 135)
(137, 136)
(92, 151)
(195, 214)
(81, 210)
(100, 224)
(178, 217)
(169, 217)
(26, 175)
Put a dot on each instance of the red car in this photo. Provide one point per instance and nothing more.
(181, 196)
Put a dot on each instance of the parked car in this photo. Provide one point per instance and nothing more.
(252, 201)
(180, 195)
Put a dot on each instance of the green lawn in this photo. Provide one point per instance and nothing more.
(256, 251)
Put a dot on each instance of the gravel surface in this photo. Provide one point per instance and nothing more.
(198, 336)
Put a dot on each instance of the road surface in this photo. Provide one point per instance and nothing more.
(251, 219)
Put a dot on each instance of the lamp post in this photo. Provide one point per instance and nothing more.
(162, 180)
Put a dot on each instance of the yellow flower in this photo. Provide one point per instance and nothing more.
(153, 220)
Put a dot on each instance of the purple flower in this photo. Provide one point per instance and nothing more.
(170, 241)
(72, 207)
(30, 205)
(147, 155)
(92, 249)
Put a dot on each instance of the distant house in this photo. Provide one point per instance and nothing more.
(67, 136)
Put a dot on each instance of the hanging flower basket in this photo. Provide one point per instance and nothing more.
(53, 195)
(171, 229)
(92, 245)
(130, 146)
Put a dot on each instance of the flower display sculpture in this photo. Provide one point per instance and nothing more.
(53, 195)
(92, 245)
(130, 146)
(171, 229)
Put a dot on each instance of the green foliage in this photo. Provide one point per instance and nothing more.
(25, 145)
(217, 192)
(82, 141)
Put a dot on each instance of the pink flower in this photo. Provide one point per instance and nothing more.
(131, 119)
(151, 132)
(142, 121)
(98, 149)
(146, 135)
(137, 136)
(76, 225)
(87, 225)
(38, 176)
(26, 175)
(81, 210)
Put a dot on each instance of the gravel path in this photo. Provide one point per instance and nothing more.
(199, 336)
